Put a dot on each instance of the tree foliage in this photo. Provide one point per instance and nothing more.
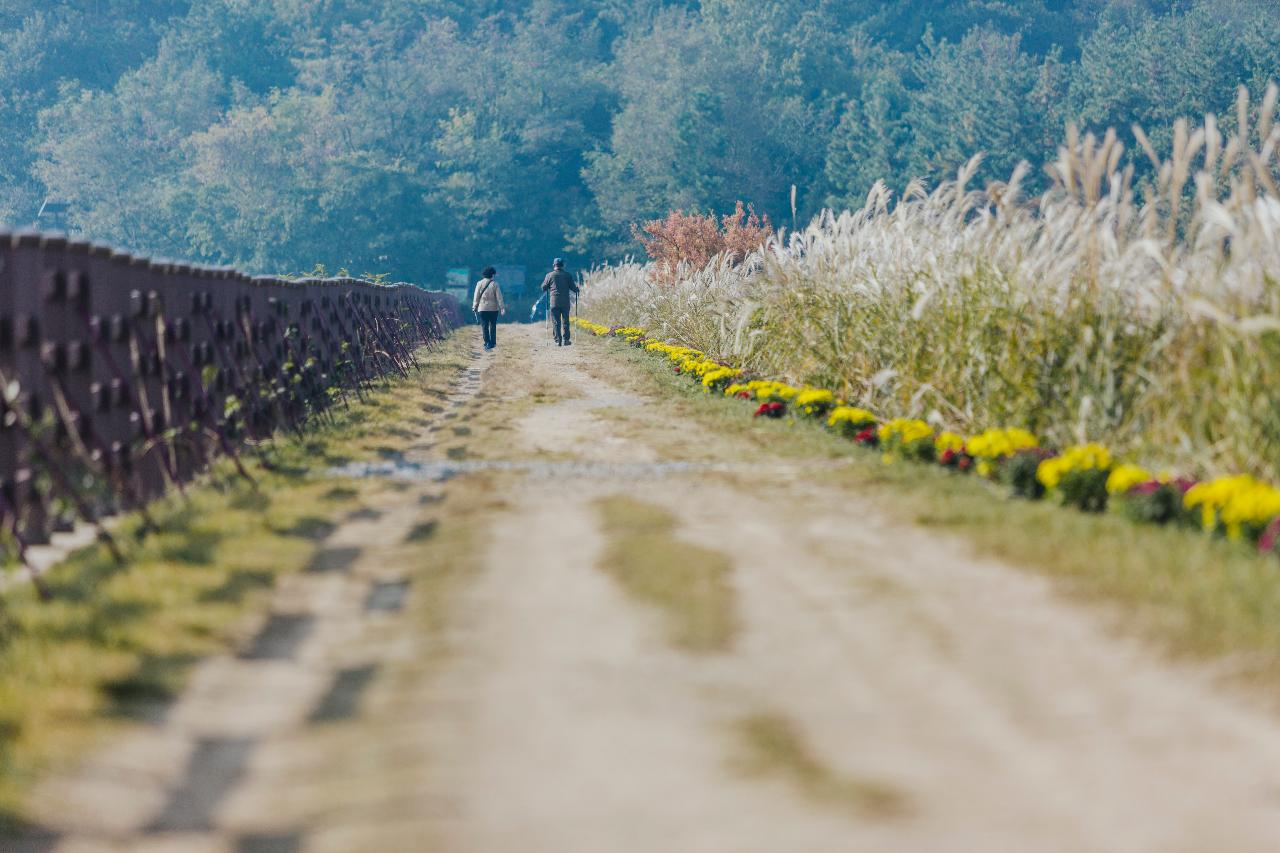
(415, 135)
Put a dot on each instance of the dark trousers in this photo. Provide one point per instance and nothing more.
(489, 328)
(560, 323)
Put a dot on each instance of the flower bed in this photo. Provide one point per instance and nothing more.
(1086, 477)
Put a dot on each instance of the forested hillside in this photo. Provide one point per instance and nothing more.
(406, 136)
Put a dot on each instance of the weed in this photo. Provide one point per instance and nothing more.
(422, 532)
(774, 746)
(689, 583)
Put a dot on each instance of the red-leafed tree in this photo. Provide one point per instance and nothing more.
(695, 239)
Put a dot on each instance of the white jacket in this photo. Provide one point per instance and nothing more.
(488, 296)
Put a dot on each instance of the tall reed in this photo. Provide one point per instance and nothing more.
(1141, 313)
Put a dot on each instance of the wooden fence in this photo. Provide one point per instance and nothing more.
(123, 376)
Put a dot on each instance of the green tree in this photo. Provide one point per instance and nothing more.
(411, 135)
(1151, 70)
(48, 48)
(118, 157)
(974, 96)
(872, 140)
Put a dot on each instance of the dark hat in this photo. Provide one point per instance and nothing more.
(558, 263)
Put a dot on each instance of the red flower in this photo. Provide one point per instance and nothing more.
(867, 436)
(1182, 484)
(771, 410)
(1270, 538)
(743, 395)
(956, 459)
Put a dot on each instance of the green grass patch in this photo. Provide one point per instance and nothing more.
(117, 641)
(688, 583)
(1199, 596)
(772, 746)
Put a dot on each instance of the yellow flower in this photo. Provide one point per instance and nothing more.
(1001, 443)
(700, 367)
(630, 333)
(1236, 503)
(949, 441)
(1125, 477)
(815, 397)
(762, 389)
(769, 390)
(594, 328)
(1084, 457)
(815, 401)
(905, 431)
(1050, 472)
(671, 351)
(850, 416)
(711, 377)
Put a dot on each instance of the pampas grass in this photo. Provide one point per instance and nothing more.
(1140, 313)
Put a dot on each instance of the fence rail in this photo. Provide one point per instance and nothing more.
(123, 376)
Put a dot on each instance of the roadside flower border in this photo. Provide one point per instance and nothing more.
(1087, 477)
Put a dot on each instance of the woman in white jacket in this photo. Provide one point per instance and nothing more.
(488, 304)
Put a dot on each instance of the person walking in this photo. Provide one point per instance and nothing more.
(560, 287)
(488, 304)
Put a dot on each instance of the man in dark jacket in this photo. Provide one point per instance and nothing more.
(560, 287)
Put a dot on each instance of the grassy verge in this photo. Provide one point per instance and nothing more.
(773, 746)
(1200, 596)
(117, 641)
(688, 583)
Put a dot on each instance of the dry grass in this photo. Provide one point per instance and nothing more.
(118, 641)
(688, 583)
(1143, 316)
(773, 746)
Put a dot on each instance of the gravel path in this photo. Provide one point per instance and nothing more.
(549, 713)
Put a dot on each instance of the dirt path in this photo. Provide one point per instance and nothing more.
(879, 689)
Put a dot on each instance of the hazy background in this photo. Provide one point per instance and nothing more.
(410, 136)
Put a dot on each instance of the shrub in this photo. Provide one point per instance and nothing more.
(690, 241)
(1079, 476)
(1019, 473)
(904, 438)
(815, 402)
(1155, 502)
(1239, 507)
(850, 421)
